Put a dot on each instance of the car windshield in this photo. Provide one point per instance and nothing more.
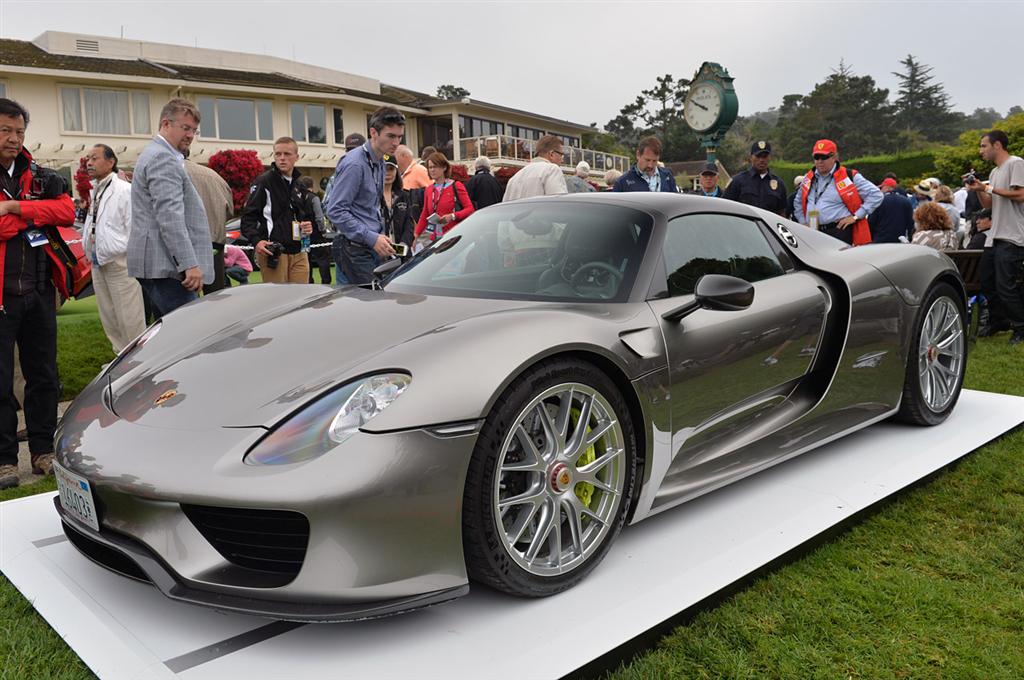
(537, 250)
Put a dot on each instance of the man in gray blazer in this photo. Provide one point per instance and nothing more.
(169, 248)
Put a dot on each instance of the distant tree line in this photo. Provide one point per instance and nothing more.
(847, 107)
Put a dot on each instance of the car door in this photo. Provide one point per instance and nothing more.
(735, 375)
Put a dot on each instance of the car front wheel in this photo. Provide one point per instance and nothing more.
(937, 359)
(550, 480)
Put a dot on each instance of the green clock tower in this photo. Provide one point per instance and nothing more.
(711, 106)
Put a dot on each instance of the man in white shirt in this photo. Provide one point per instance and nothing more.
(543, 176)
(108, 224)
(1004, 195)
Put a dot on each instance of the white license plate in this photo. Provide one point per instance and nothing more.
(76, 497)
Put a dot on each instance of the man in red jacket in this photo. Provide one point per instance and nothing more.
(31, 206)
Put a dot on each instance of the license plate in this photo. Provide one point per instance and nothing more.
(76, 497)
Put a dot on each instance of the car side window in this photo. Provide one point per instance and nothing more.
(696, 245)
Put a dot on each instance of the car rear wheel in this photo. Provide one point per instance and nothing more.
(937, 359)
(550, 480)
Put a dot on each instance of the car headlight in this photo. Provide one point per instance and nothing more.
(329, 421)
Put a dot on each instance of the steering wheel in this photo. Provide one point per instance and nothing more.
(614, 277)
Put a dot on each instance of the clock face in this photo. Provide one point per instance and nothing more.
(703, 106)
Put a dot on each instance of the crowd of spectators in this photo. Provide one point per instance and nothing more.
(155, 243)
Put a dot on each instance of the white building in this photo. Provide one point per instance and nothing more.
(84, 89)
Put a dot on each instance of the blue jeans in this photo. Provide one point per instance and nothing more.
(238, 274)
(166, 295)
(357, 262)
(340, 277)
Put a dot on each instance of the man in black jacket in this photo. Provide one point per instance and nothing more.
(757, 185)
(483, 188)
(276, 217)
(893, 218)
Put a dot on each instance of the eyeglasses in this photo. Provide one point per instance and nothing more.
(558, 152)
(187, 129)
(822, 156)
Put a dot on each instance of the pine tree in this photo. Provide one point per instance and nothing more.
(923, 106)
(846, 108)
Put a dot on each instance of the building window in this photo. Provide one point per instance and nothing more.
(103, 111)
(525, 132)
(479, 127)
(309, 123)
(339, 126)
(3, 89)
(243, 119)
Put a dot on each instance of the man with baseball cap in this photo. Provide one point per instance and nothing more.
(709, 182)
(894, 217)
(836, 200)
(757, 186)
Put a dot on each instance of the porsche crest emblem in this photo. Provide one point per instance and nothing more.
(166, 396)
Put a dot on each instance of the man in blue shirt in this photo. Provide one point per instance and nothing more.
(893, 218)
(353, 204)
(646, 175)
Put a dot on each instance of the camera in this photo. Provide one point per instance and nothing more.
(969, 178)
(274, 258)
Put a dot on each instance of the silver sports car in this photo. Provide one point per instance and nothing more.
(498, 408)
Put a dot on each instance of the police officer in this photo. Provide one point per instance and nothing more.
(757, 186)
(708, 182)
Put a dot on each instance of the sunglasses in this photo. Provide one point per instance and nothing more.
(822, 156)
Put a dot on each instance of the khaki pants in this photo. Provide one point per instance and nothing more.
(290, 268)
(119, 298)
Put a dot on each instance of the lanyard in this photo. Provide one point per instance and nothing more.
(438, 190)
(824, 188)
(96, 201)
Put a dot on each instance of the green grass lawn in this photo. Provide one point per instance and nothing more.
(931, 586)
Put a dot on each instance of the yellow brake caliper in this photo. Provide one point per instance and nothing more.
(584, 490)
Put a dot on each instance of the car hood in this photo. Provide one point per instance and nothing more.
(247, 358)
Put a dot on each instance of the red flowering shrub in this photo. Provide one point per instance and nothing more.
(83, 183)
(504, 174)
(459, 172)
(238, 167)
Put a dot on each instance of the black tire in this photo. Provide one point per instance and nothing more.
(915, 407)
(492, 557)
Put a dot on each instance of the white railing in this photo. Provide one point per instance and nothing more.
(505, 147)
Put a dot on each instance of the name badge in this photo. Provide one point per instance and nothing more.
(813, 219)
(296, 231)
(35, 237)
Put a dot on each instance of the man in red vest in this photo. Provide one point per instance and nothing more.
(835, 200)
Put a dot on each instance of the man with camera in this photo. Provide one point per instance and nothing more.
(276, 218)
(353, 204)
(32, 204)
(1004, 195)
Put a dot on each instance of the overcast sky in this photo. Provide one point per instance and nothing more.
(582, 61)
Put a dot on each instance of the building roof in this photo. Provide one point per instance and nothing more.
(27, 54)
(23, 53)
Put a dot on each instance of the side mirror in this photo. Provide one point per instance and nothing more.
(717, 292)
(385, 269)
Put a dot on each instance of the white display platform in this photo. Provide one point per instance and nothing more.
(658, 568)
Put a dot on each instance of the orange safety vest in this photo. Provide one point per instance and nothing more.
(848, 194)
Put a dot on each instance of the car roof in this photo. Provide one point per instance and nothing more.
(668, 204)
